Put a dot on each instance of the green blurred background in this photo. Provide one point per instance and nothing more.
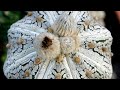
(7, 18)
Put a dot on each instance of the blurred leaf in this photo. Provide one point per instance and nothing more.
(3, 58)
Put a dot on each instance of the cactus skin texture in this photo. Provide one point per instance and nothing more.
(58, 45)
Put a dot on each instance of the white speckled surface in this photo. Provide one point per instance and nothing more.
(21, 57)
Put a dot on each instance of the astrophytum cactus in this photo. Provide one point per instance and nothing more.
(58, 45)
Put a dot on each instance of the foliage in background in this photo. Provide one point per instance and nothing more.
(7, 18)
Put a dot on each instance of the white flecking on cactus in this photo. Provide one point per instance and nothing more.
(59, 45)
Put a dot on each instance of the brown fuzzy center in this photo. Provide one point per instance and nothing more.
(46, 42)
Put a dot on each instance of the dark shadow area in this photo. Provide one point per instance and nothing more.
(1, 69)
(113, 25)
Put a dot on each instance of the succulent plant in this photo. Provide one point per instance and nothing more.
(58, 45)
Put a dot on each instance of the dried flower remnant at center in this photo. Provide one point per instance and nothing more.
(65, 25)
(46, 42)
(47, 46)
